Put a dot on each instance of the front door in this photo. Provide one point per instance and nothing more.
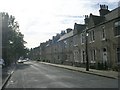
(104, 55)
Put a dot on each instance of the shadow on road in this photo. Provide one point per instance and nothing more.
(22, 66)
(7, 70)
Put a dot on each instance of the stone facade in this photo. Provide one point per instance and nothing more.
(101, 36)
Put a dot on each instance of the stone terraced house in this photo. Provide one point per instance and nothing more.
(100, 34)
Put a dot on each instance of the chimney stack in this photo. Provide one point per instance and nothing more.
(68, 30)
(103, 10)
(62, 33)
(86, 19)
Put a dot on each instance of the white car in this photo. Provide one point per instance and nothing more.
(24, 60)
(20, 61)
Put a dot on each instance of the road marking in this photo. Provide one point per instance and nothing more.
(34, 67)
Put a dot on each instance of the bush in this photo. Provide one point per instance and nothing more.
(102, 66)
(38, 60)
(116, 68)
(92, 66)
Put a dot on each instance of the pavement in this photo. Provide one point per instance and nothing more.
(6, 74)
(104, 73)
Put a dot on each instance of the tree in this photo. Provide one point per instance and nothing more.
(12, 40)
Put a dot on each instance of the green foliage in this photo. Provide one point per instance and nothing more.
(12, 40)
(102, 66)
(116, 68)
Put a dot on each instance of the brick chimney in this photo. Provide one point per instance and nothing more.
(68, 30)
(62, 33)
(103, 10)
(86, 19)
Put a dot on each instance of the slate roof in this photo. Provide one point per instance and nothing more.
(97, 19)
(67, 35)
(79, 27)
(115, 13)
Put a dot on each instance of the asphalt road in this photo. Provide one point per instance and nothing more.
(36, 75)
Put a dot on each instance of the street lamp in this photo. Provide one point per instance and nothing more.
(86, 50)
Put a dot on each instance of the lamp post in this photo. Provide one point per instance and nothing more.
(86, 50)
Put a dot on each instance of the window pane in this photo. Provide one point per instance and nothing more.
(94, 54)
(117, 28)
(93, 35)
(82, 39)
(118, 57)
(118, 54)
(90, 36)
(103, 32)
(117, 24)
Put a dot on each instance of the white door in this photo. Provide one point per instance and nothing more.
(104, 54)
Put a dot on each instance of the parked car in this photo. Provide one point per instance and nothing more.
(27, 59)
(20, 61)
(24, 60)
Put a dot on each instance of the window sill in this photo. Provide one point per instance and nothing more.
(91, 41)
(82, 43)
(104, 39)
(93, 62)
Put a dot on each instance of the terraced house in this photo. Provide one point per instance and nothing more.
(103, 37)
(99, 37)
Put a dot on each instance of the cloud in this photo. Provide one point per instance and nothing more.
(41, 19)
(69, 16)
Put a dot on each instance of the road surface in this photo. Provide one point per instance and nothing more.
(37, 75)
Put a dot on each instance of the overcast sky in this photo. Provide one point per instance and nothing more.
(41, 19)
